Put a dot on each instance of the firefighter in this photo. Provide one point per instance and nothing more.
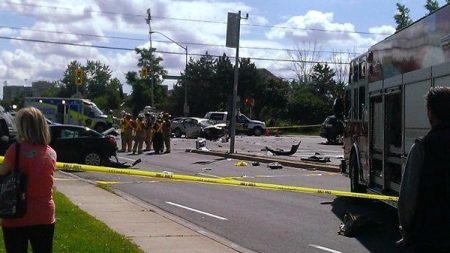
(122, 130)
(128, 132)
(166, 131)
(148, 125)
(158, 137)
(139, 134)
(110, 119)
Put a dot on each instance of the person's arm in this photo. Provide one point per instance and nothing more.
(409, 189)
(8, 162)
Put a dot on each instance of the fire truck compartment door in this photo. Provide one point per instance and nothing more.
(416, 120)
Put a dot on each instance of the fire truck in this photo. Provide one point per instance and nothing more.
(384, 103)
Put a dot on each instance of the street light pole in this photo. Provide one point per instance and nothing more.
(149, 18)
(186, 106)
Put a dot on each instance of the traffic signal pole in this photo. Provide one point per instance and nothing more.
(149, 18)
(233, 34)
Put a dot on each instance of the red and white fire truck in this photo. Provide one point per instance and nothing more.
(384, 103)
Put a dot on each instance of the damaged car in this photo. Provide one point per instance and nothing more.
(193, 127)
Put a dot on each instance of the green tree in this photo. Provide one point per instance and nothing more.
(431, 5)
(402, 17)
(68, 87)
(141, 90)
(97, 85)
(97, 77)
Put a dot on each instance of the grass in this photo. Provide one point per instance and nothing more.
(77, 231)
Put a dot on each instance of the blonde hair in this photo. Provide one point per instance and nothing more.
(32, 127)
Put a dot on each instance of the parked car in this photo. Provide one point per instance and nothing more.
(193, 127)
(243, 123)
(78, 144)
(332, 129)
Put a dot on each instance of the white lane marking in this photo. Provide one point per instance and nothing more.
(125, 158)
(197, 211)
(323, 248)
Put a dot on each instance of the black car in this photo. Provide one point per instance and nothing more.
(332, 129)
(77, 144)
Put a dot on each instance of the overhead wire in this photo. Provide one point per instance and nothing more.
(170, 42)
(162, 52)
(191, 20)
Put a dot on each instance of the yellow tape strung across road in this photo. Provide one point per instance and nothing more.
(169, 175)
(289, 127)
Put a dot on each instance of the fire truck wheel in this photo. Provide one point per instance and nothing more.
(355, 186)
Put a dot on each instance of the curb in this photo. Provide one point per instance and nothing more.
(290, 163)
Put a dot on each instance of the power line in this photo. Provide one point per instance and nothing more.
(192, 20)
(158, 51)
(166, 41)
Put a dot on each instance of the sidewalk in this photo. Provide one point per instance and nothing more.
(152, 229)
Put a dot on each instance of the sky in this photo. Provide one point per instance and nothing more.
(38, 39)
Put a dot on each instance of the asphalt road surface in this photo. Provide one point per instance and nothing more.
(257, 219)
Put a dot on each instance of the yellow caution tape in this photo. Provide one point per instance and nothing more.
(227, 181)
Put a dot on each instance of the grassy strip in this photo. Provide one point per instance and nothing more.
(77, 231)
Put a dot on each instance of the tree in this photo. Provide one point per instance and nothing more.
(97, 77)
(402, 17)
(431, 5)
(141, 90)
(303, 57)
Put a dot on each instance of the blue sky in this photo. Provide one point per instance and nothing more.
(277, 31)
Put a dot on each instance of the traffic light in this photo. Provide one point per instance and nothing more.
(144, 72)
(78, 76)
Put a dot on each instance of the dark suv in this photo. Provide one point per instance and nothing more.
(332, 129)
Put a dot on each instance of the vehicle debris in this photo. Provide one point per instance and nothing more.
(277, 151)
(255, 163)
(353, 224)
(318, 159)
(275, 166)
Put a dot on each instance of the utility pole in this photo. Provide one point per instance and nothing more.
(148, 20)
(186, 106)
(233, 34)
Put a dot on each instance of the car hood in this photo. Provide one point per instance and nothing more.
(216, 126)
(257, 122)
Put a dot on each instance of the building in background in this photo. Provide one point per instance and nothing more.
(37, 89)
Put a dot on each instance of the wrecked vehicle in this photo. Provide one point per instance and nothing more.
(243, 123)
(332, 129)
(77, 144)
(193, 127)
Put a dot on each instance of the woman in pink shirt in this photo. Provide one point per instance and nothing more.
(37, 162)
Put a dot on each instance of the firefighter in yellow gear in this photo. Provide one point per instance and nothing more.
(127, 133)
(158, 136)
(148, 125)
(139, 134)
(122, 130)
(166, 131)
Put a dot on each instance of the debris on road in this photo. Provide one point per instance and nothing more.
(240, 164)
(317, 159)
(275, 166)
(353, 224)
(255, 163)
(293, 150)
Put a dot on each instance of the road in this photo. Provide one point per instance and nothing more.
(259, 220)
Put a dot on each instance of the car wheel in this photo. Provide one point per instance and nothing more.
(92, 158)
(177, 132)
(355, 186)
(257, 131)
